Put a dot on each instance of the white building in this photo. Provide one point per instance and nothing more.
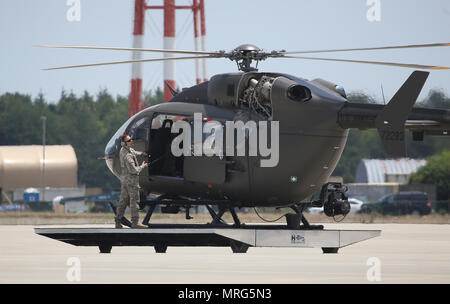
(376, 171)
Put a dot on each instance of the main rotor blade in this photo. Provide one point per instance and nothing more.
(127, 61)
(372, 48)
(129, 49)
(403, 65)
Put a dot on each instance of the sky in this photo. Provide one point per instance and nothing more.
(292, 25)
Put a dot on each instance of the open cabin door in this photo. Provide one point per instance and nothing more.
(164, 163)
(162, 160)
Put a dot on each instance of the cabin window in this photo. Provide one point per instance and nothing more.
(140, 129)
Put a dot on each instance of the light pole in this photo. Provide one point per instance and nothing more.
(44, 119)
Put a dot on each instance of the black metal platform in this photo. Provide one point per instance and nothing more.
(240, 239)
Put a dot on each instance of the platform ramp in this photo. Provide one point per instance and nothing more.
(313, 239)
(239, 239)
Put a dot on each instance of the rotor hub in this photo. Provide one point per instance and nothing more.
(245, 54)
(245, 48)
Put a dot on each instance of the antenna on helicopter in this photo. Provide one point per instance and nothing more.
(172, 90)
(382, 92)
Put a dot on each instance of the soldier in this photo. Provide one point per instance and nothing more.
(129, 179)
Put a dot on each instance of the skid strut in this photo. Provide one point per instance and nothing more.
(332, 198)
(293, 220)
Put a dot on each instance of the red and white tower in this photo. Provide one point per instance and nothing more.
(169, 7)
(196, 42)
(203, 29)
(169, 44)
(136, 68)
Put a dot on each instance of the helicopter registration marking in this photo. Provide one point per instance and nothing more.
(393, 135)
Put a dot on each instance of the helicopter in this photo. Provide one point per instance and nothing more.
(305, 122)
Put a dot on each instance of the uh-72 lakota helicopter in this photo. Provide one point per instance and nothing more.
(268, 139)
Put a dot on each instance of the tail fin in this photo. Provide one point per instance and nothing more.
(391, 121)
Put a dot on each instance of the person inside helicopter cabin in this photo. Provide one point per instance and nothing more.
(129, 180)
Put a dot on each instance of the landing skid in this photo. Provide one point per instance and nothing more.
(216, 217)
(294, 221)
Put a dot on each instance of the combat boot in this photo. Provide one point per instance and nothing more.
(118, 224)
(135, 225)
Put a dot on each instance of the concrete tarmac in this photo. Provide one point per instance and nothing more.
(404, 253)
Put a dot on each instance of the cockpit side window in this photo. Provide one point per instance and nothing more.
(114, 143)
(164, 121)
(140, 132)
(140, 129)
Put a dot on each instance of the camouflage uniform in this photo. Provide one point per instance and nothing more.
(129, 178)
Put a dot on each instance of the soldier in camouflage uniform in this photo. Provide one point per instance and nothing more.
(129, 178)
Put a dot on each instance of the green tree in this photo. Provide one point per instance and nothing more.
(153, 98)
(20, 123)
(435, 172)
(360, 97)
(435, 99)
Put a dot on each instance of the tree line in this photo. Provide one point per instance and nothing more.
(87, 122)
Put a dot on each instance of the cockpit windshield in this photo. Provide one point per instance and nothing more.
(114, 142)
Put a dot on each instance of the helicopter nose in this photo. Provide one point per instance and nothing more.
(111, 164)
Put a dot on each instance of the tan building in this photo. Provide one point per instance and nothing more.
(22, 167)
